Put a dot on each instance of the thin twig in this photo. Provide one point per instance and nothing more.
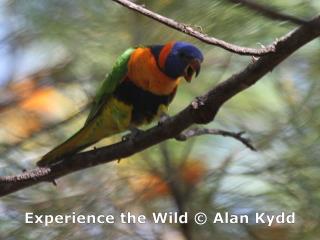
(202, 131)
(185, 28)
(269, 12)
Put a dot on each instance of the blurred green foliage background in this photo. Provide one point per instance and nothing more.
(55, 53)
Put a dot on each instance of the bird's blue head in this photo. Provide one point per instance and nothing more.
(180, 59)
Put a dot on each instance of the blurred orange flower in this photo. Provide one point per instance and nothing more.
(150, 186)
(154, 186)
(192, 171)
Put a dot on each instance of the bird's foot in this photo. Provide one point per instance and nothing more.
(134, 132)
(163, 117)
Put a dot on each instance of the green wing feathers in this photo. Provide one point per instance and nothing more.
(108, 86)
(101, 119)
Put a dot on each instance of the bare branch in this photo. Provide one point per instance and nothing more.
(202, 131)
(269, 12)
(187, 29)
(202, 110)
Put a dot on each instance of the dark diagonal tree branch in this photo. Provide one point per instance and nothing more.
(201, 111)
(185, 135)
(185, 28)
(269, 12)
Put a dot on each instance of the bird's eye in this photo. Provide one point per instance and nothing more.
(183, 55)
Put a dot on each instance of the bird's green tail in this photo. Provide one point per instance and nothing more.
(113, 118)
(77, 142)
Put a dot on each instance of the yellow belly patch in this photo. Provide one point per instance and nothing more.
(115, 117)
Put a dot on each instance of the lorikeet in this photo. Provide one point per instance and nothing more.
(142, 83)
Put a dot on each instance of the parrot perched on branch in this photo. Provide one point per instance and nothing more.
(141, 85)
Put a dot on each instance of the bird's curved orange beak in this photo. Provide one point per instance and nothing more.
(193, 67)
